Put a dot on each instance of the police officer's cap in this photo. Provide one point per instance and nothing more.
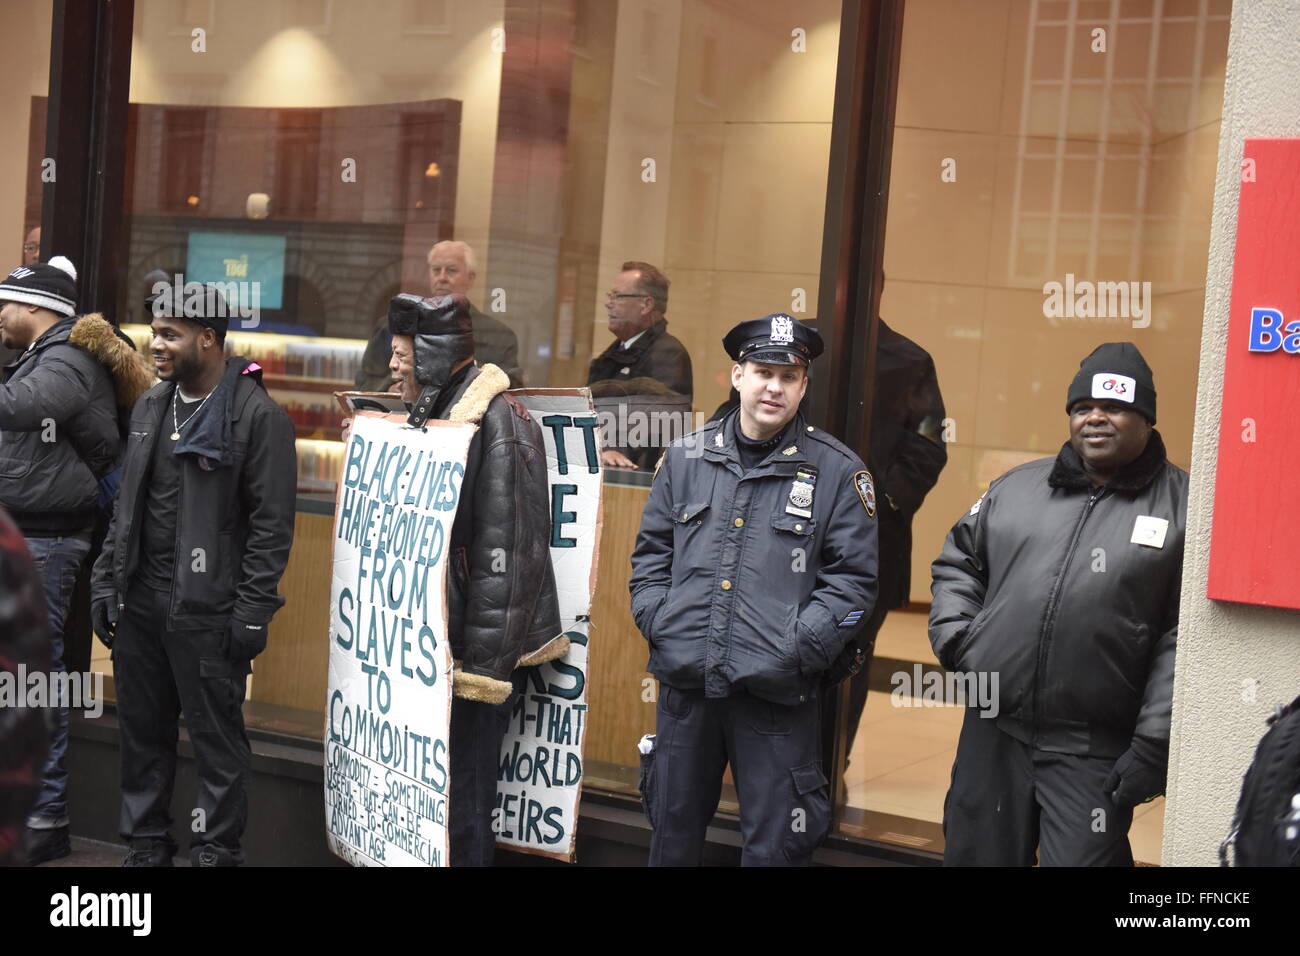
(776, 339)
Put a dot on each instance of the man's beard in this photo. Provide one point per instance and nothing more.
(186, 368)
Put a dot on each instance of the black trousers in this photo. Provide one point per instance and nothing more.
(775, 757)
(159, 673)
(1007, 798)
(476, 733)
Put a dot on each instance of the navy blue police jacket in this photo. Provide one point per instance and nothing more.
(754, 581)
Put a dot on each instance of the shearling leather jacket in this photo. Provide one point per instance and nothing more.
(503, 611)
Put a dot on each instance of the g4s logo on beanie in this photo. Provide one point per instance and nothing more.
(1113, 386)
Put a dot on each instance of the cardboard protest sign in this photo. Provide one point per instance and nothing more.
(539, 779)
(389, 698)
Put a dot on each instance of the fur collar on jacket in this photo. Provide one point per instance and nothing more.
(131, 374)
(483, 387)
(1068, 471)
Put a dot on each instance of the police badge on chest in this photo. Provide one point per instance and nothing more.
(801, 493)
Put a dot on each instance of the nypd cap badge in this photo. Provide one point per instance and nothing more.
(782, 332)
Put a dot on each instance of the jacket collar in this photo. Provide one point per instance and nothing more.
(454, 389)
(629, 355)
(719, 439)
(56, 333)
(1068, 471)
(207, 434)
(470, 393)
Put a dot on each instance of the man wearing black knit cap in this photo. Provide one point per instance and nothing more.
(187, 581)
(502, 609)
(1063, 581)
(58, 437)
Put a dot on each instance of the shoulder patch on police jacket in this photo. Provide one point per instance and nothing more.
(866, 491)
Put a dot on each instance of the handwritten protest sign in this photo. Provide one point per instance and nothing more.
(389, 698)
(540, 774)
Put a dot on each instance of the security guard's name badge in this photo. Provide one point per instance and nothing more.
(866, 491)
(801, 493)
(1150, 531)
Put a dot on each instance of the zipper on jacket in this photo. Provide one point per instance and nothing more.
(137, 513)
(180, 511)
(1049, 619)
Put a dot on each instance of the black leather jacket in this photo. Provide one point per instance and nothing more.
(503, 611)
(237, 503)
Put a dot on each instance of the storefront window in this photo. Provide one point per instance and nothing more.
(307, 156)
(1029, 148)
(321, 149)
(25, 69)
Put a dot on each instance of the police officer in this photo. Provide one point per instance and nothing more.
(754, 566)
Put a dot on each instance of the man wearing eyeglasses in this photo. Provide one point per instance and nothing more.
(643, 348)
(32, 247)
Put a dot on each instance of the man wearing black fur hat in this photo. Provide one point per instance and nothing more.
(187, 581)
(59, 435)
(1063, 581)
(502, 608)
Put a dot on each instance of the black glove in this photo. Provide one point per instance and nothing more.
(246, 640)
(1139, 774)
(103, 620)
(848, 664)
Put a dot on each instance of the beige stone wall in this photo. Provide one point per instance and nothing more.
(1221, 646)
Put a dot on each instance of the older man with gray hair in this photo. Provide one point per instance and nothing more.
(453, 268)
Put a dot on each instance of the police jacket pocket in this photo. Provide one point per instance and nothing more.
(691, 545)
(810, 812)
(794, 525)
(765, 656)
(968, 638)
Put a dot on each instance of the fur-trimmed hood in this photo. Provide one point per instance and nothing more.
(129, 369)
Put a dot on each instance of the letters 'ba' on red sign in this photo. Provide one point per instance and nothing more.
(1255, 541)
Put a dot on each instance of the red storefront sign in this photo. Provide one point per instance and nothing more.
(1255, 540)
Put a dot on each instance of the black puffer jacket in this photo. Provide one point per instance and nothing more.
(502, 608)
(1043, 585)
(237, 503)
(61, 425)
